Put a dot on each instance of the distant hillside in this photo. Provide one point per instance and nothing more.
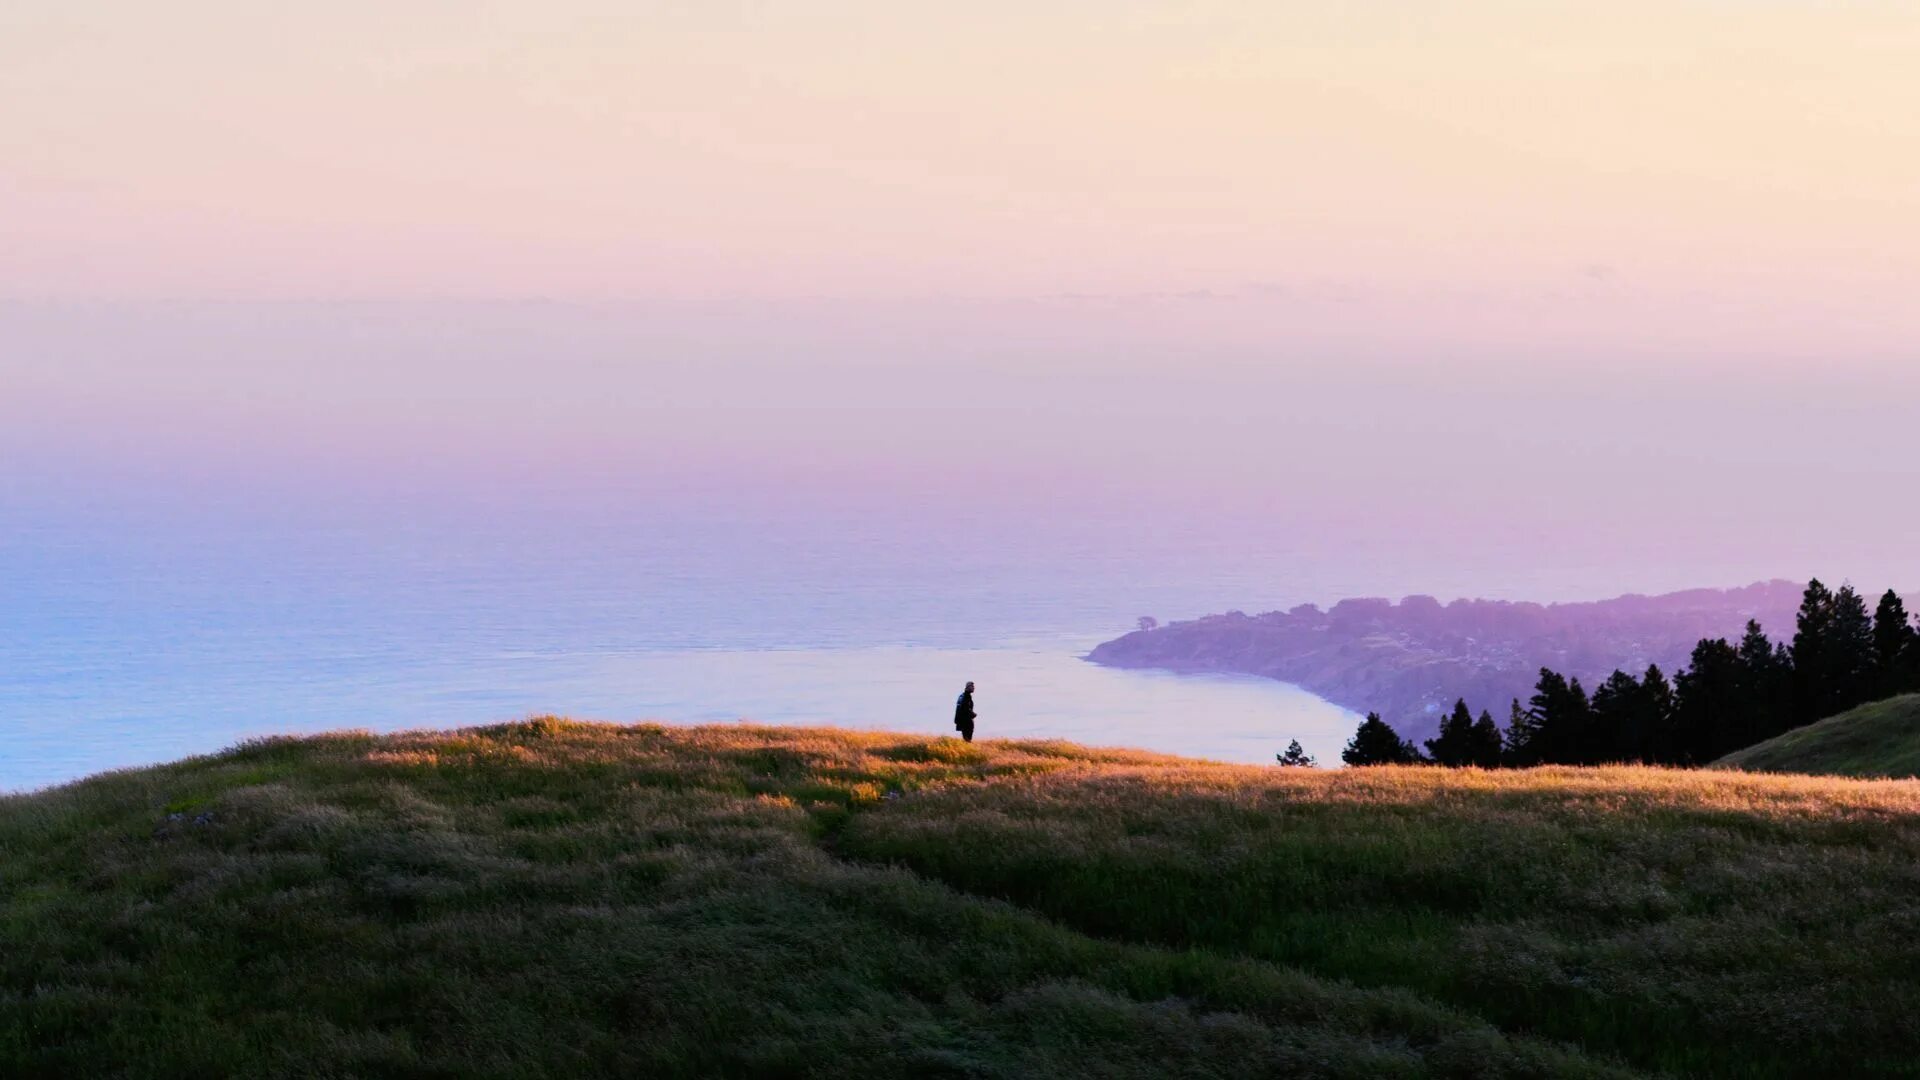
(1411, 660)
(1878, 739)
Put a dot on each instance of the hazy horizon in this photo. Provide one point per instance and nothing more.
(336, 338)
(1486, 477)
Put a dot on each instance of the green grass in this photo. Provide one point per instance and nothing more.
(553, 898)
(1880, 739)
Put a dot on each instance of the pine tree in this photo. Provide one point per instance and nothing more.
(1813, 654)
(1453, 747)
(1374, 743)
(1562, 719)
(1893, 644)
(1854, 660)
(1910, 663)
(1296, 757)
(1766, 689)
(1485, 742)
(1708, 705)
(1522, 747)
(1657, 699)
(1617, 730)
(1577, 726)
(1833, 653)
(1853, 629)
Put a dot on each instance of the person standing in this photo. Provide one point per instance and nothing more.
(963, 713)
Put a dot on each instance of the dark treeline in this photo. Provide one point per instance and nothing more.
(1730, 695)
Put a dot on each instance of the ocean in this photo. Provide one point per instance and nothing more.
(135, 636)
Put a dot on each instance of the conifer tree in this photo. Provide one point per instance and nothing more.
(1578, 725)
(1893, 646)
(1657, 698)
(1832, 636)
(1910, 663)
(1766, 689)
(1453, 747)
(1522, 747)
(1485, 742)
(1562, 720)
(1812, 649)
(1296, 757)
(1618, 728)
(1374, 743)
(1854, 661)
(1708, 705)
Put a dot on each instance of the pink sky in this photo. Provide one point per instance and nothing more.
(1693, 157)
(1571, 274)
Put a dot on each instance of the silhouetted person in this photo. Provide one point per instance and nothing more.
(963, 713)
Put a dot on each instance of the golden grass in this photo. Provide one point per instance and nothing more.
(554, 897)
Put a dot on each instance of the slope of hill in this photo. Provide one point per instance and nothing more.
(1878, 739)
(1409, 661)
(555, 898)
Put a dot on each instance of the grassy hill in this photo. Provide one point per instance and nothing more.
(553, 898)
(1881, 738)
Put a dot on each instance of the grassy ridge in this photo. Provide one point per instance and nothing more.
(558, 898)
(1879, 739)
(1686, 922)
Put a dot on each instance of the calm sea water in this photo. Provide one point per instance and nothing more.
(128, 639)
